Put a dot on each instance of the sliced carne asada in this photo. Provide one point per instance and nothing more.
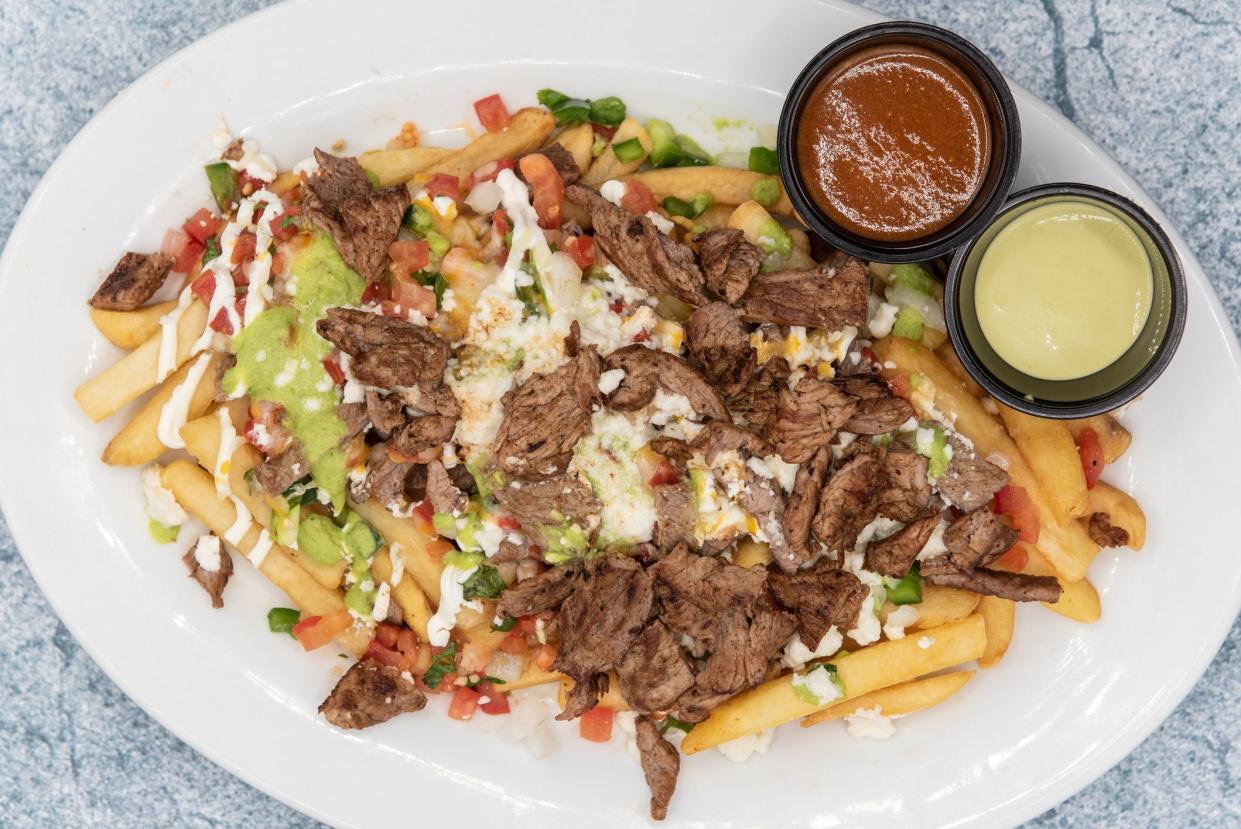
(355, 418)
(661, 763)
(799, 511)
(830, 296)
(279, 472)
(546, 503)
(134, 280)
(729, 261)
(648, 258)
(1103, 533)
(1016, 586)
(386, 351)
(212, 581)
(675, 515)
(894, 555)
(422, 438)
(675, 450)
(807, 417)
(561, 159)
(416, 483)
(462, 478)
(820, 597)
(741, 653)
(362, 221)
(545, 591)
(370, 693)
(905, 490)
(762, 498)
(544, 418)
(977, 539)
(646, 370)
(848, 503)
(969, 482)
(387, 414)
(438, 400)
(384, 480)
(878, 410)
(718, 343)
(720, 436)
(757, 401)
(655, 671)
(442, 492)
(694, 590)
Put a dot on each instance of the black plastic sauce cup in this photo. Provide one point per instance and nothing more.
(1005, 133)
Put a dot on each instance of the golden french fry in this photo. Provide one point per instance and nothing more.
(939, 606)
(130, 329)
(948, 355)
(138, 442)
(420, 548)
(138, 371)
(1114, 439)
(607, 166)
(933, 338)
(406, 593)
(526, 131)
(750, 217)
(750, 553)
(997, 614)
(612, 698)
(579, 141)
(727, 185)
(1066, 545)
(533, 675)
(399, 166)
(1049, 450)
(476, 627)
(869, 669)
(1078, 600)
(1123, 511)
(897, 700)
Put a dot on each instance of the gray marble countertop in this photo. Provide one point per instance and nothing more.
(1156, 83)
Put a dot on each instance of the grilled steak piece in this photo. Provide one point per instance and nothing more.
(807, 417)
(355, 418)
(416, 483)
(438, 400)
(829, 296)
(279, 472)
(719, 344)
(762, 498)
(720, 436)
(743, 648)
(545, 416)
(661, 763)
(362, 221)
(977, 539)
(212, 581)
(545, 591)
(675, 450)
(878, 410)
(387, 414)
(675, 515)
(649, 259)
(385, 478)
(729, 262)
(757, 401)
(647, 369)
(1104, 534)
(386, 351)
(969, 482)
(894, 555)
(905, 491)
(694, 590)
(1016, 586)
(422, 438)
(370, 693)
(820, 597)
(655, 671)
(561, 159)
(799, 512)
(549, 503)
(848, 503)
(442, 492)
(134, 280)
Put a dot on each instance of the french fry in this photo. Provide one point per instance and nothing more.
(420, 548)
(579, 141)
(607, 166)
(1049, 450)
(897, 700)
(202, 440)
(949, 356)
(138, 441)
(1079, 600)
(1114, 439)
(1123, 511)
(408, 596)
(399, 166)
(138, 371)
(476, 627)
(997, 614)
(1065, 545)
(939, 606)
(727, 185)
(749, 218)
(612, 697)
(869, 669)
(750, 553)
(130, 329)
(532, 676)
(526, 131)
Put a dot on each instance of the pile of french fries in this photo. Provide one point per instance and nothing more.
(900, 676)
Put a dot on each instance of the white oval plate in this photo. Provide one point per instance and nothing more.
(1067, 703)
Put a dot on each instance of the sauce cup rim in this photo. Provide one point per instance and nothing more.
(1005, 122)
(1114, 398)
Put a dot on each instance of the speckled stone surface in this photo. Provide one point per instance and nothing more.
(1155, 83)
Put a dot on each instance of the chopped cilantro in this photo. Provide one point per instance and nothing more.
(673, 722)
(486, 582)
(444, 663)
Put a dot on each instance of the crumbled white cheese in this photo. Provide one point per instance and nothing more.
(882, 320)
(613, 191)
(207, 553)
(742, 748)
(610, 380)
(661, 224)
(796, 654)
(898, 620)
(817, 683)
(935, 544)
(869, 724)
(161, 506)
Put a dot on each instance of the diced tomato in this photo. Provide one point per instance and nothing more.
(616, 306)
(1091, 453)
(1015, 502)
(596, 724)
(442, 184)
(316, 631)
(376, 292)
(283, 228)
(900, 385)
(582, 249)
(642, 336)
(406, 291)
(464, 701)
(243, 249)
(204, 287)
(606, 133)
(492, 113)
(386, 634)
(547, 187)
(514, 643)
(202, 225)
(410, 256)
(385, 655)
(240, 305)
(248, 183)
(508, 522)
(264, 430)
(497, 703)
(665, 473)
(546, 656)
(1015, 560)
(422, 514)
(331, 364)
(190, 256)
(394, 646)
(638, 198)
(220, 322)
(500, 222)
(174, 242)
(490, 170)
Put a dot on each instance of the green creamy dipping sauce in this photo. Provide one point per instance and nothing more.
(1064, 290)
(280, 359)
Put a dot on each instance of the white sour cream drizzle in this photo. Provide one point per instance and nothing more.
(168, 335)
(223, 460)
(177, 408)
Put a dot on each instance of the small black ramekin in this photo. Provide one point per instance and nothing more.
(1107, 389)
(1005, 128)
